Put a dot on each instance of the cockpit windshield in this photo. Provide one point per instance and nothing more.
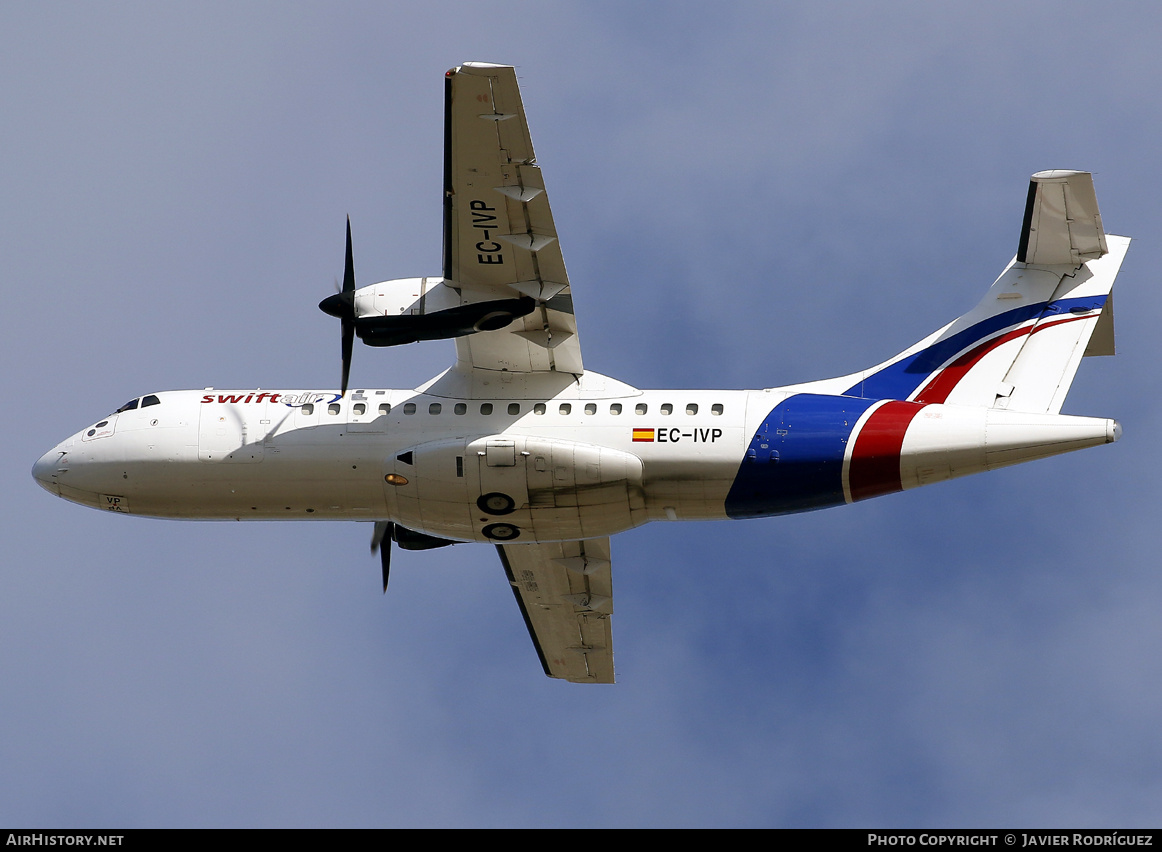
(144, 402)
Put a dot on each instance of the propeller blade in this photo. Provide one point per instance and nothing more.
(348, 345)
(341, 305)
(349, 321)
(382, 530)
(381, 538)
(349, 269)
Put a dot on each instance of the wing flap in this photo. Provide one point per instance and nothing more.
(565, 592)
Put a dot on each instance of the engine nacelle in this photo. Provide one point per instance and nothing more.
(504, 488)
(406, 310)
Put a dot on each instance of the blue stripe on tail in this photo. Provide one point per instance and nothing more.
(899, 380)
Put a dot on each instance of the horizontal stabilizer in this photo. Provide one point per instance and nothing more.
(1102, 340)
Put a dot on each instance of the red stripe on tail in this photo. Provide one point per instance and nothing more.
(938, 389)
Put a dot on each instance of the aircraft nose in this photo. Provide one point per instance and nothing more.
(44, 471)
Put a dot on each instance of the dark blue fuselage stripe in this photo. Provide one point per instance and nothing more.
(899, 380)
(795, 461)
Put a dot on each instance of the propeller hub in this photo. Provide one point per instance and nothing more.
(339, 305)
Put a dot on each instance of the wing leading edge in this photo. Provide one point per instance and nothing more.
(499, 238)
(565, 592)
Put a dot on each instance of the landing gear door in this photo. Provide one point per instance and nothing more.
(502, 489)
(501, 464)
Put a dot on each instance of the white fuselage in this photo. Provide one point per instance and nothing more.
(571, 463)
(596, 458)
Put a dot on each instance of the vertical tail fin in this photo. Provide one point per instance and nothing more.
(1020, 347)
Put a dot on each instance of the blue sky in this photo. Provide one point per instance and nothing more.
(748, 196)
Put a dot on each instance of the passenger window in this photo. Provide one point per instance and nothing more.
(435, 408)
(667, 408)
(716, 409)
(641, 408)
(384, 408)
(309, 408)
(461, 408)
(691, 408)
(514, 408)
(486, 408)
(615, 408)
(590, 408)
(333, 408)
(360, 408)
(409, 408)
(539, 408)
(565, 408)
(150, 400)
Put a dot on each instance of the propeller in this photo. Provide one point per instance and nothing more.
(342, 306)
(386, 532)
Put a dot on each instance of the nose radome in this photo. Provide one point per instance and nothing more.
(45, 468)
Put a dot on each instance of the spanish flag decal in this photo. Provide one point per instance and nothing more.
(646, 435)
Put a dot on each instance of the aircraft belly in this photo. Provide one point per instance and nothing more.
(681, 485)
(295, 481)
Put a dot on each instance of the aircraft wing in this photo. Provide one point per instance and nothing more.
(565, 592)
(499, 237)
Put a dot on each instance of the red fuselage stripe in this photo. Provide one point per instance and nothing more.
(875, 458)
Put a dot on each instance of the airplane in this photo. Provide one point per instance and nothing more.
(518, 445)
